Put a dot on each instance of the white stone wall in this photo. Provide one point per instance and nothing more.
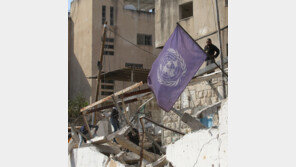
(193, 98)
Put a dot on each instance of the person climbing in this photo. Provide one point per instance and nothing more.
(115, 119)
(212, 52)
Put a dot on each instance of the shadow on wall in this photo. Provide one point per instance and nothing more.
(77, 81)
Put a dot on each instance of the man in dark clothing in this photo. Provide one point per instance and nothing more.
(114, 119)
(212, 52)
(134, 136)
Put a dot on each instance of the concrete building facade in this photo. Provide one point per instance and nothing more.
(86, 25)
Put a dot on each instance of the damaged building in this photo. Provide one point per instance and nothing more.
(197, 132)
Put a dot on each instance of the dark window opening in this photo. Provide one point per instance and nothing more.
(134, 66)
(143, 39)
(109, 39)
(109, 46)
(103, 14)
(106, 93)
(108, 53)
(186, 10)
(107, 87)
(111, 16)
(226, 3)
(107, 81)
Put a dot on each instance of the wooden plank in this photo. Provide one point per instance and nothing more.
(100, 69)
(107, 149)
(136, 149)
(98, 140)
(189, 120)
(123, 131)
(110, 97)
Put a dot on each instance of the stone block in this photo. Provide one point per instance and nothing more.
(189, 111)
(166, 119)
(214, 99)
(200, 94)
(197, 102)
(203, 101)
(208, 101)
(167, 133)
(205, 93)
(209, 93)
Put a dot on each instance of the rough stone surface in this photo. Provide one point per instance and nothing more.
(202, 148)
(201, 95)
(91, 157)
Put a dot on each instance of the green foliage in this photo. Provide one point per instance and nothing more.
(75, 105)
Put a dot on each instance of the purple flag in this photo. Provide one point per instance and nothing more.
(175, 66)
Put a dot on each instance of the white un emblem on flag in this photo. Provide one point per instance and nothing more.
(171, 69)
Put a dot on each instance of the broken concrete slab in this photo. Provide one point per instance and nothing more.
(91, 157)
(206, 147)
(159, 163)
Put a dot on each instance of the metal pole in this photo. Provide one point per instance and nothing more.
(221, 55)
(94, 118)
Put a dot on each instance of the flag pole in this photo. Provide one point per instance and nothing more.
(201, 48)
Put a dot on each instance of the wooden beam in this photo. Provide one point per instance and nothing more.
(110, 97)
(123, 131)
(189, 120)
(100, 69)
(98, 140)
(136, 149)
(192, 122)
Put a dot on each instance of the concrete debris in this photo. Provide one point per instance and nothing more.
(122, 148)
(206, 147)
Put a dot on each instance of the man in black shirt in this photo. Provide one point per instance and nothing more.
(212, 52)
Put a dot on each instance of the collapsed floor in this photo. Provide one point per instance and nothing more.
(204, 147)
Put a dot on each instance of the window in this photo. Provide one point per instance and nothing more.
(109, 46)
(106, 93)
(107, 81)
(111, 16)
(143, 39)
(186, 10)
(107, 87)
(134, 66)
(103, 14)
(226, 3)
(108, 53)
(109, 39)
